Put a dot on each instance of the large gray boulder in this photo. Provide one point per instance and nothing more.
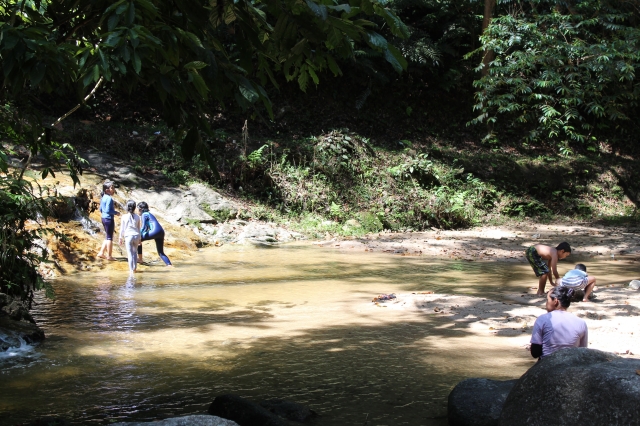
(576, 386)
(193, 420)
(198, 203)
(477, 402)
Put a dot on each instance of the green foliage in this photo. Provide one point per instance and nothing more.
(561, 70)
(21, 246)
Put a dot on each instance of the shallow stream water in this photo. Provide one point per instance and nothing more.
(293, 322)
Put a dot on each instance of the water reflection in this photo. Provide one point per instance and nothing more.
(294, 322)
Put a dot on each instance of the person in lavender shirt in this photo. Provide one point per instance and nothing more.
(558, 329)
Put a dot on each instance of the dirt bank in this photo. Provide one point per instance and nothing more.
(505, 243)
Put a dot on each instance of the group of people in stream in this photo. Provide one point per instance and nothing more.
(134, 228)
(558, 328)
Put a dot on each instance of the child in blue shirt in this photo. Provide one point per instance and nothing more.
(578, 279)
(151, 230)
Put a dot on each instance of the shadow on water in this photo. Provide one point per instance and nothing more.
(286, 325)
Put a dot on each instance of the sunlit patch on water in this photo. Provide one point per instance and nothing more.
(294, 322)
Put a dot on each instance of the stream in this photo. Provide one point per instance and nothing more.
(293, 322)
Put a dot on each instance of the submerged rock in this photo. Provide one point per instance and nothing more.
(576, 386)
(289, 410)
(477, 402)
(194, 420)
(243, 411)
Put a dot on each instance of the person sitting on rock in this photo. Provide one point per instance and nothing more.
(577, 279)
(558, 329)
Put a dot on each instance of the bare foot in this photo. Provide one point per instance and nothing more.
(110, 258)
(586, 300)
(540, 294)
(102, 256)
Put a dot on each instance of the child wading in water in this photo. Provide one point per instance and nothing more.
(536, 255)
(130, 232)
(151, 230)
(108, 213)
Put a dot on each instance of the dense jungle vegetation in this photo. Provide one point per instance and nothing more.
(335, 116)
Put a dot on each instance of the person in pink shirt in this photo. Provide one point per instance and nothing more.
(558, 329)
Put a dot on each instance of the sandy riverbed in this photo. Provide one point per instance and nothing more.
(613, 317)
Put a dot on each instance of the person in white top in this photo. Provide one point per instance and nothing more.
(558, 329)
(130, 232)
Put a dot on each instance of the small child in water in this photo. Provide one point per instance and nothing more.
(130, 232)
(536, 255)
(577, 279)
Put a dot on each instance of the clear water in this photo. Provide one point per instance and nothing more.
(293, 322)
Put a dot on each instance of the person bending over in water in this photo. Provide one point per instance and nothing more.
(151, 230)
(558, 329)
(536, 255)
(577, 279)
(130, 232)
(108, 213)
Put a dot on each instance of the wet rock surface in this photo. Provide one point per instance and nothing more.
(289, 410)
(17, 327)
(477, 402)
(243, 411)
(576, 386)
(194, 420)
(274, 412)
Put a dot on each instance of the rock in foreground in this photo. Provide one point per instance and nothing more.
(243, 411)
(576, 386)
(194, 420)
(477, 402)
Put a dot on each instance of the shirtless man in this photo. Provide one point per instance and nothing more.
(538, 254)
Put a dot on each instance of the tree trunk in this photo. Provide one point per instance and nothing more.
(489, 55)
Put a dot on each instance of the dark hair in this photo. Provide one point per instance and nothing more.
(107, 185)
(131, 206)
(144, 207)
(581, 267)
(563, 294)
(564, 246)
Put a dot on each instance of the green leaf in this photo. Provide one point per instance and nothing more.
(319, 10)
(199, 84)
(137, 63)
(247, 90)
(333, 66)
(195, 65)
